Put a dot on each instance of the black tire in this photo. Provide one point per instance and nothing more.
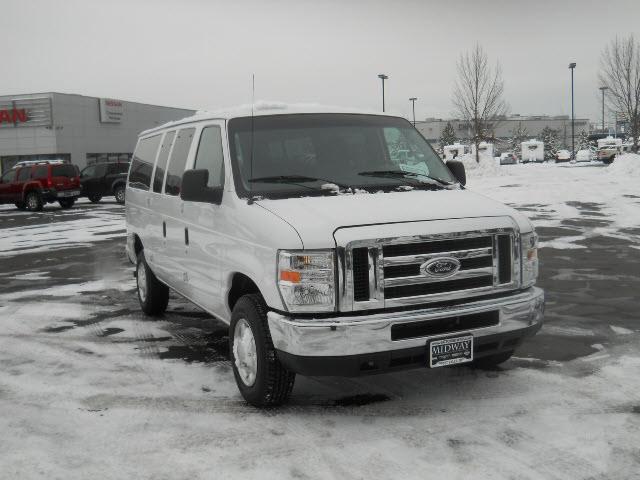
(491, 361)
(273, 383)
(608, 161)
(119, 193)
(67, 202)
(153, 295)
(33, 201)
(21, 205)
(94, 198)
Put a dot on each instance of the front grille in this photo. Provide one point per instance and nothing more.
(360, 274)
(439, 326)
(414, 269)
(438, 287)
(437, 246)
(486, 265)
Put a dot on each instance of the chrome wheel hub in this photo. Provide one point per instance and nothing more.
(120, 195)
(142, 281)
(244, 352)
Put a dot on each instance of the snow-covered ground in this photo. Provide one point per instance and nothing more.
(89, 388)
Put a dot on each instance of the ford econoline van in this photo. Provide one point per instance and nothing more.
(327, 252)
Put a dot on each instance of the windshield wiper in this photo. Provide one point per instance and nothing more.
(294, 179)
(401, 174)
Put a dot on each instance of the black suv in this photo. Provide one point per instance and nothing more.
(104, 179)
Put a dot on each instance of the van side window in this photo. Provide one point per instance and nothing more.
(161, 166)
(24, 174)
(210, 157)
(142, 164)
(178, 160)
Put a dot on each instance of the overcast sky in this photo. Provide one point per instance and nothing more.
(201, 54)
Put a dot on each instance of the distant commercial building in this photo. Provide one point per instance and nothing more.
(432, 128)
(80, 129)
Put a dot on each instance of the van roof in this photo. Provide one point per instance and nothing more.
(263, 108)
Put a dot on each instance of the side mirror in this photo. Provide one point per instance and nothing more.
(194, 188)
(457, 169)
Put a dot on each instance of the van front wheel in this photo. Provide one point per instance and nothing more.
(261, 378)
(153, 295)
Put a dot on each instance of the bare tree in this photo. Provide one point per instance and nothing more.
(478, 94)
(620, 73)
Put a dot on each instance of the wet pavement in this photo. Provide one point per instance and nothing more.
(589, 290)
(75, 345)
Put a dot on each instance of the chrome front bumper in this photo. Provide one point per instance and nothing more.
(362, 334)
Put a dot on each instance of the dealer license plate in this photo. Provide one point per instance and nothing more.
(69, 193)
(450, 351)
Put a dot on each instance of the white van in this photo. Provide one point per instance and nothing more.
(303, 230)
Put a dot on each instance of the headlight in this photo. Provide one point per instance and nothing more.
(529, 258)
(306, 280)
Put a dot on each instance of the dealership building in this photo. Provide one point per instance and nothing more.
(79, 129)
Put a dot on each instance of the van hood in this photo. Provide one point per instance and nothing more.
(317, 218)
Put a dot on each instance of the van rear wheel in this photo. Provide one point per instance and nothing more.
(261, 378)
(153, 295)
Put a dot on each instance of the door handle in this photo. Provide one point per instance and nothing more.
(164, 229)
(186, 236)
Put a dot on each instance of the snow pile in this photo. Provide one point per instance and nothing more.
(626, 165)
(486, 168)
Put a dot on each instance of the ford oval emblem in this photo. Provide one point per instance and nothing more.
(440, 267)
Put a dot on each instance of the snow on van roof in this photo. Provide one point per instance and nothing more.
(262, 108)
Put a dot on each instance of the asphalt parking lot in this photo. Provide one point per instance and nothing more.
(585, 289)
(77, 352)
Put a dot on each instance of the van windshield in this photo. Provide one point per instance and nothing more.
(282, 156)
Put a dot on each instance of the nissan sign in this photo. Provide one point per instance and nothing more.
(111, 111)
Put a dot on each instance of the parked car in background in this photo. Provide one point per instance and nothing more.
(585, 155)
(607, 153)
(30, 185)
(307, 233)
(508, 158)
(104, 179)
(563, 156)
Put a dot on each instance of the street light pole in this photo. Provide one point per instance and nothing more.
(573, 132)
(383, 77)
(602, 89)
(413, 106)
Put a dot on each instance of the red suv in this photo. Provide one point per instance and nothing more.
(29, 185)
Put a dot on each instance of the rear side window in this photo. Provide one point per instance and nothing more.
(161, 166)
(101, 170)
(40, 172)
(142, 164)
(178, 161)
(64, 170)
(24, 174)
(209, 156)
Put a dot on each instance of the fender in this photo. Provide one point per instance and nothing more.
(29, 187)
(119, 181)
